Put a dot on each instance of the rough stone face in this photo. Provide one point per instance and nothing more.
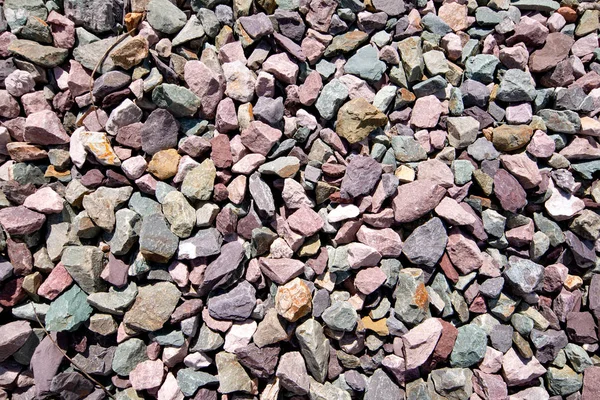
(147, 314)
(426, 244)
(357, 118)
(416, 199)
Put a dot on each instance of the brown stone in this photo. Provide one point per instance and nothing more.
(293, 300)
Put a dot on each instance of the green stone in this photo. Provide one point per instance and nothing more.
(190, 381)
(469, 347)
(68, 311)
(178, 100)
(127, 355)
(481, 68)
(340, 316)
(563, 381)
(199, 182)
(578, 357)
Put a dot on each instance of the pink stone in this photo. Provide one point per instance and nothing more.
(463, 252)
(56, 282)
(282, 68)
(420, 342)
(79, 79)
(280, 270)
(305, 221)
(556, 22)
(21, 220)
(358, 88)
(226, 118)
(19, 83)
(5, 40)
(172, 356)
(437, 139)
(170, 389)
(451, 211)
(260, 137)
(561, 205)
(518, 370)
(386, 241)
(437, 172)
(591, 384)
(313, 49)
(115, 271)
(361, 255)
(44, 127)
(221, 151)
(586, 45)
(489, 386)
(519, 114)
(248, 164)
(541, 145)
(147, 184)
(231, 52)
(134, 167)
(416, 199)
(206, 84)
(521, 235)
(309, 90)
(368, 280)
(426, 112)
(13, 335)
(215, 325)
(492, 361)
(554, 277)
(147, 375)
(239, 335)
(45, 200)
(63, 30)
(9, 108)
(35, 102)
(179, 272)
(514, 57)
(265, 85)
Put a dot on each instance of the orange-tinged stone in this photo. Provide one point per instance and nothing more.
(132, 20)
(568, 14)
(379, 326)
(164, 164)
(293, 300)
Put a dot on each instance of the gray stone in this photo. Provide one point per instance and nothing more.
(192, 30)
(427, 243)
(85, 264)
(98, 16)
(516, 86)
(157, 242)
(523, 275)
(126, 232)
(224, 269)
(189, 380)
(159, 132)
(561, 121)
(481, 67)
(128, 355)
(332, 96)
(292, 373)
(165, 17)
(381, 387)
(205, 243)
(365, 64)
(148, 314)
(340, 316)
(199, 182)
(115, 301)
(314, 346)
(180, 214)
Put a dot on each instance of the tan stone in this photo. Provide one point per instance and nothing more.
(164, 164)
(511, 137)
(455, 15)
(131, 53)
(357, 119)
(379, 326)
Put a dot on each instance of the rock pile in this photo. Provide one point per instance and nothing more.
(308, 199)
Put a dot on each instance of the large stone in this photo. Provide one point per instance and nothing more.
(234, 304)
(148, 314)
(14, 335)
(416, 199)
(44, 56)
(68, 311)
(85, 264)
(157, 242)
(357, 119)
(427, 243)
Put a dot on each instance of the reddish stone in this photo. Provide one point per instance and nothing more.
(448, 268)
(221, 151)
(557, 48)
(591, 384)
(509, 191)
(21, 220)
(416, 199)
(11, 292)
(189, 308)
(260, 137)
(20, 257)
(115, 271)
(444, 346)
(463, 252)
(305, 221)
(581, 327)
(56, 283)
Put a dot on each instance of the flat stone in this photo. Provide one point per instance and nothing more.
(148, 315)
(357, 118)
(68, 311)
